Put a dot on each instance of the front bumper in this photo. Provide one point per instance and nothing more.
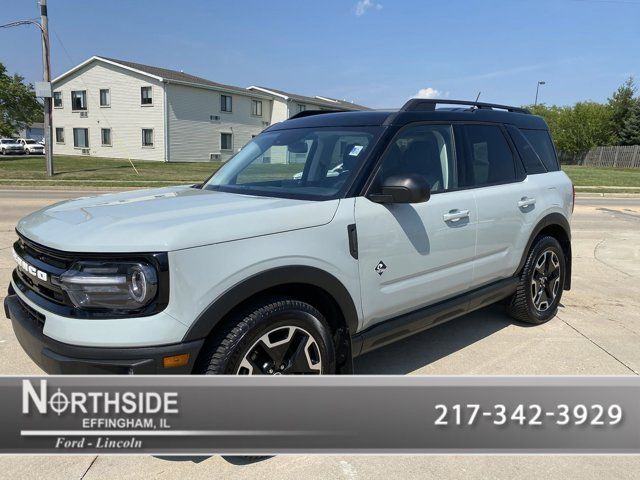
(60, 358)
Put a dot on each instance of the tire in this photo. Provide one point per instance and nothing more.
(541, 283)
(280, 336)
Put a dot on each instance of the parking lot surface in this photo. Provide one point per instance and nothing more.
(596, 332)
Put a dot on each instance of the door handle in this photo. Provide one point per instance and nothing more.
(526, 202)
(455, 215)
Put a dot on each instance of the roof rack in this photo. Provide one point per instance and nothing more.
(309, 113)
(429, 105)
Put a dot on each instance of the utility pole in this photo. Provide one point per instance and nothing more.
(46, 65)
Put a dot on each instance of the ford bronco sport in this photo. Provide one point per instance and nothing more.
(274, 266)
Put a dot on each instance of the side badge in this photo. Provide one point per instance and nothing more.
(380, 268)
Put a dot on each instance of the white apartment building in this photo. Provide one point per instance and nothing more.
(114, 108)
(286, 105)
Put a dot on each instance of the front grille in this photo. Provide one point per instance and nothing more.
(46, 260)
(43, 254)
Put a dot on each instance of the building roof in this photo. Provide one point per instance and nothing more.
(161, 74)
(327, 102)
(175, 76)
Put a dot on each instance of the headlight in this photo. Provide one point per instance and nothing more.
(113, 285)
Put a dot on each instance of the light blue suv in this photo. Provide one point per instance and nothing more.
(328, 235)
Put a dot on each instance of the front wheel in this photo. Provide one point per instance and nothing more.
(281, 336)
(541, 283)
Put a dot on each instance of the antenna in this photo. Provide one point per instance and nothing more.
(478, 97)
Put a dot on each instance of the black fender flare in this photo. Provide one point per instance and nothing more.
(552, 219)
(299, 274)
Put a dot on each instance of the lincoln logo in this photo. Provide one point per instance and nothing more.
(30, 269)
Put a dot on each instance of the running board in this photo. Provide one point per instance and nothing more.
(397, 328)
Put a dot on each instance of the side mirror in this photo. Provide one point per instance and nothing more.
(403, 189)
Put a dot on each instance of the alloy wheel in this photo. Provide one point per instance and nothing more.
(545, 282)
(288, 350)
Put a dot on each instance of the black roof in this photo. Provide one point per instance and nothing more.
(399, 118)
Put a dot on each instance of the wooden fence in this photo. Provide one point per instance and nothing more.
(613, 156)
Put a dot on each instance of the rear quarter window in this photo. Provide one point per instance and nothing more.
(541, 142)
(532, 162)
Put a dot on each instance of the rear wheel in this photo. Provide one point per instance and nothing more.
(541, 283)
(277, 337)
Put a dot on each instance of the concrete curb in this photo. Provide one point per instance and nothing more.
(606, 195)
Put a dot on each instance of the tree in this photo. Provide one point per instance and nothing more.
(578, 128)
(621, 104)
(18, 104)
(630, 133)
(586, 125)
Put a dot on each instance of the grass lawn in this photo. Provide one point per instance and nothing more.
(95, 171)
(604, 176)
(76, 171)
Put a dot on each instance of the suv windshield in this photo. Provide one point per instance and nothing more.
(308, 163)
(30, 142)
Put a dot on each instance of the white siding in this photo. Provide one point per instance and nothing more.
(284, 109)
(280, 110)
(125, 117)
(193, 135)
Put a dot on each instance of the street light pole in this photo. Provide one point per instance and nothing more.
(537, 90)
(46, 65)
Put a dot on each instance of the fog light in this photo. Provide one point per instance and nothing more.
(176, 360)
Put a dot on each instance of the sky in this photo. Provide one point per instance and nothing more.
(375, 52)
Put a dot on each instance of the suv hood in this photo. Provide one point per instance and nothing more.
(166, 219)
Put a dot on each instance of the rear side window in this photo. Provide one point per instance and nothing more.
(489, 159)
(541, 141)
(530, 158)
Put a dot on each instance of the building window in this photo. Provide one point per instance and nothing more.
(105, 97)
(146, 96)
(225, 103)
(57, 99)
(226, 141)
(105, 135)
(79, 100)
(147, 137)
(81, 137)
(256, 108)
(59, 135)
(301, 108)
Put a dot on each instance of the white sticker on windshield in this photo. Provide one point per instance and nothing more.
(355, 151)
